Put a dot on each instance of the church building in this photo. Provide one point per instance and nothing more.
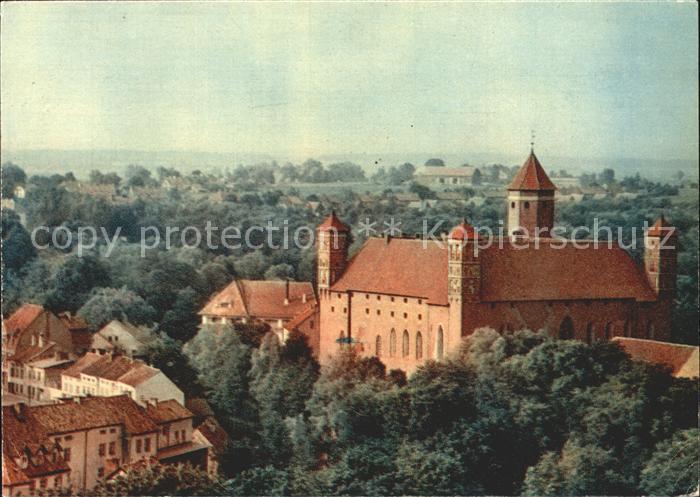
(407, 300)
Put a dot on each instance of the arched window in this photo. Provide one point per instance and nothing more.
(566, 330)
(419, 345)
(590, 336)
(650, 331)
(378, 346)
(439, 344)
(628, 329)
(405, 344)
(527, 205)
(609, 330)
(392, 343)
(512, 205)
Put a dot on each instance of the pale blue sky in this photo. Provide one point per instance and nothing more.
(297, 80)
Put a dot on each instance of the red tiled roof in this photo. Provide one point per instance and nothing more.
(167, 411)
(26, 354)
(681, 359)
(22, 317)
(212, 431)
(260, 299)
(300, 318)
(332, 222)
(463, 231)
(122, 369)
(661, 228)
(94, 412)
(417, 268)
(531, 176)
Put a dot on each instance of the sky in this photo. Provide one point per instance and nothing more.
(307, 79)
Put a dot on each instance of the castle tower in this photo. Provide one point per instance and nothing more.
(660, 254)
(531, 200)
(463, 275)
(333, 241)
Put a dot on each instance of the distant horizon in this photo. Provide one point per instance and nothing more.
(314, 79)
(80, 162)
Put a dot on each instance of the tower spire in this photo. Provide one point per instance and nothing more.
(532, 141)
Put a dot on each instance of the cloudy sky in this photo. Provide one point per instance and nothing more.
(606, 80)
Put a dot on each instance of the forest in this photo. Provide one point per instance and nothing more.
(516, 414)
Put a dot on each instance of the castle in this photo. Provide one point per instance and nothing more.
(409, 300)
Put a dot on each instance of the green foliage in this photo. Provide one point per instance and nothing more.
(673, 467)
(17, 247)
(73, 283)
(12, 176)
(106, 304)
(157, 479)
(167, 355)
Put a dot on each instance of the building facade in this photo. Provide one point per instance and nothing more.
(108, 375)
(407, 300)
(75, 444)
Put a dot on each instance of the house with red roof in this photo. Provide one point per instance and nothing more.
(76, 443)
(407, 300)
(109, 375)
(32, 334)
(272, 302)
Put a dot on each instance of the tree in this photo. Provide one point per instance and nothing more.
(100, 178)
(607, 177)
(280, 272)
(673, 467)
(282, 379)
(422, 191)
(158, 479)
(435, 163)
(12, 176)
(72, 284)
(181, 320)
(137, 175)
(17, 247)
(106, 304)
(167, 355)
(476, 177)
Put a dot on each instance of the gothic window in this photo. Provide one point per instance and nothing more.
(378, 346)
(405, 344)
(512, 205)
(439, 345)
(589, 334)
(566, 330)
(419, 345)
(392, 343)
(609, 331)
(527, 205)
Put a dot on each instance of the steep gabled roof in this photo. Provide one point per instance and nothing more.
(531, 176)
(661, 228)
(332, 222)
(418, 268)
(22, 318)
(261, 299)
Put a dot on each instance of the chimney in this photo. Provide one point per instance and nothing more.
(286, 292)
(76, 399)
(41, 340)
(303, 298)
